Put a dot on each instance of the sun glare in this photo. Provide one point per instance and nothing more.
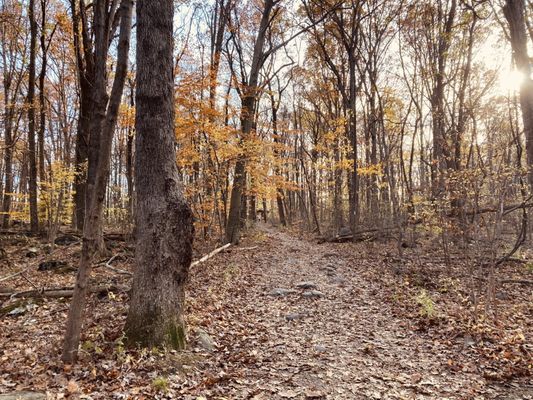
(510, 81)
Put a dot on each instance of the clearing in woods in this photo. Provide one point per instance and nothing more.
(278, 317)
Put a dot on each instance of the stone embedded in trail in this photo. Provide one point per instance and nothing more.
(280, 292)
(329, 255)
(205, 341)
(314, 395)
(329, 268)
(297, 315)
(319, 348)
(313, 294)
(338, 280)
(306, 285)
(32, 252)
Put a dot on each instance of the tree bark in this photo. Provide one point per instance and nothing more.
(95, 199)
(85, 67)
(32, 154)
(439, 163)
(8, 157)
(249, 99)
(514, 13)
(42, 105)
(129, 155)
(164, 221)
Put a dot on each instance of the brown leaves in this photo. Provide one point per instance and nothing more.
(361, 339)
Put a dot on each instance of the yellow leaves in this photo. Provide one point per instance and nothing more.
(19, 207)
(126, 116)
(55, 195)
(336, 131)
(371, 170)
(63, 21)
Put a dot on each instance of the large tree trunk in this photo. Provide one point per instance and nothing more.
(32, 154)
(95, 200)
(164, 221)
(514, 13)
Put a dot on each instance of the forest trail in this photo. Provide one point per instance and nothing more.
(254, 334)
(342, 342)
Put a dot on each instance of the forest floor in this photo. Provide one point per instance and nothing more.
(281, 317)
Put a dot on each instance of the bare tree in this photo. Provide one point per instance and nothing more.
(32, 154)
(514, 14)
(96, 196)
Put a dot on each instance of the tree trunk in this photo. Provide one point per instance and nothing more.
(98, 115)
(8, 161)
(353, 154)
(85, 67)
(439, 163)
(34, 216)
(129, 156)
(164, 221)
(42, 105)
(514, 13)
(249, 99)
(95, 199)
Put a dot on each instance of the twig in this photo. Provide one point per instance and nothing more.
(114, 269)
(31, 283)
(5, 278)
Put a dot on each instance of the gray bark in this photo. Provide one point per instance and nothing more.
(32, 154)
(514, 14)
(164, 221)
(248, 99)
(93, 217)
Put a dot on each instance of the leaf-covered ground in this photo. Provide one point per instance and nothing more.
(281, 317)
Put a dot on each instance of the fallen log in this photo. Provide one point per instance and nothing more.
(517, 281)
(114, 269)
(246, 248)
(526, 282)
(116, 237)
(357, 235)
(61, 292)
(23, 396)
(208, 256)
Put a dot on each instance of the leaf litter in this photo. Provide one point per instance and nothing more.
(364, 337)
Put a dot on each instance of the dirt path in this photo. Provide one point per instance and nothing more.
(342, 342)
